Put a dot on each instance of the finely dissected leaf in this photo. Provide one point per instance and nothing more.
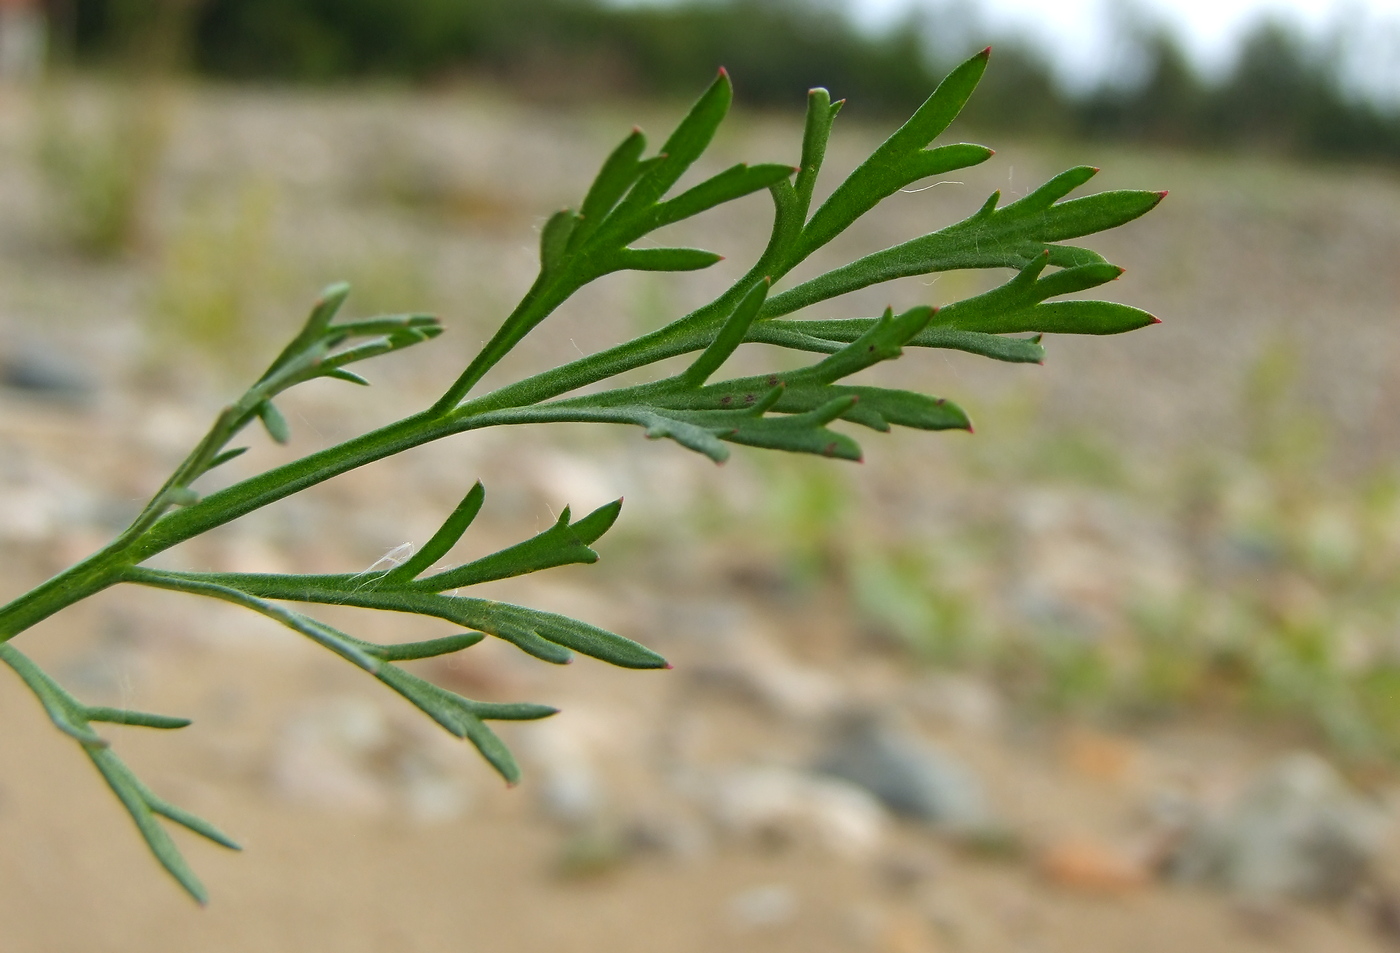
(684, 146)
(134, 798)
(991, 238)
(581, 637)
(464, 718)
(559, 545)
(72, 717)
(790, 410)
(443, 540)
(902, 158)
(830, 336)
(688, 435)
(616, 176)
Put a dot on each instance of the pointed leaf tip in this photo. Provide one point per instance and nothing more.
(1163, 194)
(985, 53)
(1156, 320)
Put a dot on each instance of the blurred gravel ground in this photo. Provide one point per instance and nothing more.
(949, 585)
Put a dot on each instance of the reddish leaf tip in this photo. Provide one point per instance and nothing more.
(668, 666)
(1155, 319)
(724, 72)
(1162, 194)
(970, 428)
(985, 53)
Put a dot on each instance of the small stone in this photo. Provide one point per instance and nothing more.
(1091, 867)
(1296, 830)
(781, 806)
(47, 375)
(908, 776)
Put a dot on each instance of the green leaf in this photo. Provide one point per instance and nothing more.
(312, 332)
(1073, 317)
(991, 238)
(559, 545)
(582, 638)
(341, 374)
(617, 175)
(691, 137)
(121, 716)
(443, 540)
(821, 113)
(274, 422)
(731, 184)
(730, 336)
(662, 259)
(901, 159)
(410, 651)
(554, 238)
(799, 433)
(830, 336)
(492, 748)
(688, 435)
(532, 643)
(135, 798)
(225, 457)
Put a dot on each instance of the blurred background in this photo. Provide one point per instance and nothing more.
(1119, 671)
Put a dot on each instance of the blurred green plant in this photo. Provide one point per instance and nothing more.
(100, 163)
(788, 410)
(216, 265)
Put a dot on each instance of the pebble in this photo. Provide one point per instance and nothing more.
(783, 805)
(1297, 830)
(47, 375)
(1091, 867)
(910, 777)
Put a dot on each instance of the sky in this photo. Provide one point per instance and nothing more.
(1079, 32)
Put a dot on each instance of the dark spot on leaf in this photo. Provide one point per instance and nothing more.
(748, 398)
(772, 380)
(829, 450)
(726, 400)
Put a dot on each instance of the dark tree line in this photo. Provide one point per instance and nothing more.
(1284, 92)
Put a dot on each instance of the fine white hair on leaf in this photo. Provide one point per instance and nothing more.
(394, 557)
(933, 186)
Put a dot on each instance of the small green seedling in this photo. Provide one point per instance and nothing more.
(784, 410)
